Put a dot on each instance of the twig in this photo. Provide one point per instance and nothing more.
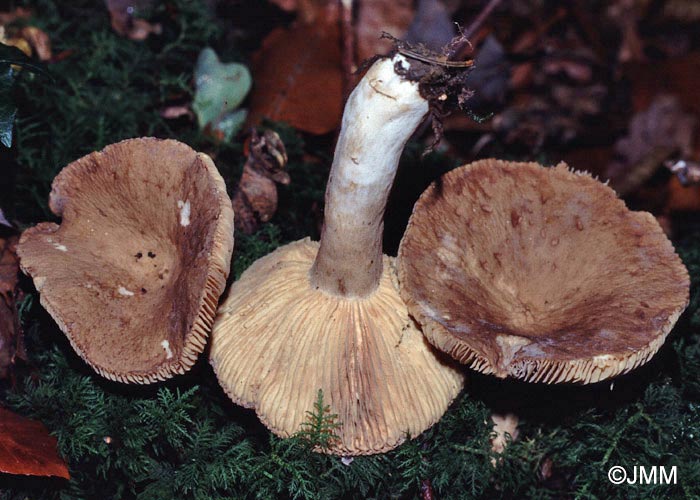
(436, 61)
(459, 50)
(479, 20)
(348, 46)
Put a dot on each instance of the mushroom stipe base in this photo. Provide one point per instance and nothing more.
(277, 341)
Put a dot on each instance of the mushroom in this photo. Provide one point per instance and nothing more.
(541, 274)
(328, 316)
(133, 274)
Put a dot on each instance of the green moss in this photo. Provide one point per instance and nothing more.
(184, 439)
(105, 89)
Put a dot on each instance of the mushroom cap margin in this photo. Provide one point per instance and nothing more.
(86, 269)
(552, 278)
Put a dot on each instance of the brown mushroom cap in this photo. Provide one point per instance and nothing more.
(539, 274)
(133, 274)
(277, 340)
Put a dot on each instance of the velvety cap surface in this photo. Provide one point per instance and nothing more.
(539, 273)
(133, 273)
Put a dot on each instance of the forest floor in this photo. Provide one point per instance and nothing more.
(609, 87)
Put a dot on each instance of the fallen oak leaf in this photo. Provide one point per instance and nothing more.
(546, 468)
(17, 42)
(27, 448)
(666, 223)
(31, 41)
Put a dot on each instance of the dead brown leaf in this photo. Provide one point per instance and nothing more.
(27, 448)
(627, 14)
(255, 197)
(503, 424)
(685, 11)
(299, 72)
(666, 223)
(14, 14)
(172, 112)
(677, 76)
(546, 468)
(298, 77)
(377, 16)
(9, 322)
(286, 5)
(18, 42)
(140, 30)
(654, 134)
(125, 23)
(39, 41)
(426, 490)
(682, 198)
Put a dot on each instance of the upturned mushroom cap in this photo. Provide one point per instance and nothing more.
(133, 274)
(277, 340)
(539, 274)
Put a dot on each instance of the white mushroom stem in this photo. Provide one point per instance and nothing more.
(380, 116)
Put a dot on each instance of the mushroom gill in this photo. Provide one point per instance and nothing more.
(328, 315)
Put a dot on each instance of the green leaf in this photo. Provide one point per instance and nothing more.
(220, 89)
(231, 123)
(7, 105)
